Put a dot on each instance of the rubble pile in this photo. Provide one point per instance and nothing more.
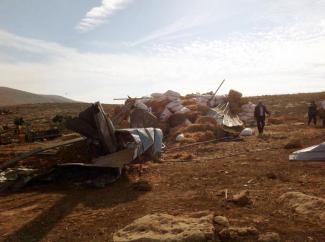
(198, 117)
(247, 113)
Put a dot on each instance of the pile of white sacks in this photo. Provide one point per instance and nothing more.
(170, 98)
(208, 100)
(247, 113)
(173, 105)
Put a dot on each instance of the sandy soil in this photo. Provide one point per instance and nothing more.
(186, 180)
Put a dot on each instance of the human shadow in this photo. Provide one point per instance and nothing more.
(40, 226)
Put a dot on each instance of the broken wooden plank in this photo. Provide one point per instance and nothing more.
(23, 156)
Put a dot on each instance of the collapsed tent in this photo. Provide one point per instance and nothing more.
(109, 149)
(313, 153)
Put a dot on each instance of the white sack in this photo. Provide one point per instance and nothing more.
(247, 132)
(183, 110)
(180, 137)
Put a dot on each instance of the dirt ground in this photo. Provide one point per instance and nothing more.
(186, 180)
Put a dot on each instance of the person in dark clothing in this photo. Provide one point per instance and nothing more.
(312, 113)
(260, 114)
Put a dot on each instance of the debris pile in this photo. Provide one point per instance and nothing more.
(196, 117)
(247, 113)
(101, 147)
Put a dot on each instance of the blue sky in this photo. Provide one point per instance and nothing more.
(100, 49)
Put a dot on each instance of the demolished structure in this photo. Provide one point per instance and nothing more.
(109, 148)
(190, 118)
(313, 153)
(103, 146)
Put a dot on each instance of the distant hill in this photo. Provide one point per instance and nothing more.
(10, 96)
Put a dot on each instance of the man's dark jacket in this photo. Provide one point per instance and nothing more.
(257, 113)
(312, 110)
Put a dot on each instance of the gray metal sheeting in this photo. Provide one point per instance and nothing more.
(313, 153)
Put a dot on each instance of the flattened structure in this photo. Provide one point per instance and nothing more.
(313, 153)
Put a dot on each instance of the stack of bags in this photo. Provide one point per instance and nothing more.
(205, 128)
(185, 119)
(208, 99)
(165, 105)
(247, 114)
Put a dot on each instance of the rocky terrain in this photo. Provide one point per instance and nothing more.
(243, 190)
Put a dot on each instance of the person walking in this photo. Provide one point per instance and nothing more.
(260, 114)
(312, 113)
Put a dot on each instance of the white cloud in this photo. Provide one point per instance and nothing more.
(32, 45)
(98, 15)
(286, 59)
(182, 24)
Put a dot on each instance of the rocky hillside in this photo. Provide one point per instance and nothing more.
(10, 96)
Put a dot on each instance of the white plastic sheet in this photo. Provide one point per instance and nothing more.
(247, 132)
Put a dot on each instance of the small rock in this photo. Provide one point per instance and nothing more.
(239, 234)
(310, 207)
(221, 220)
(269, 237)
(293, 144)
(271, 175)
(189, 157)
(166, 227)
(142, 186)
(242, 198)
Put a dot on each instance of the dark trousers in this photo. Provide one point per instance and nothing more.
(260, 124)
(312, 117)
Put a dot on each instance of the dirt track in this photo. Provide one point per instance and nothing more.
(186, 180)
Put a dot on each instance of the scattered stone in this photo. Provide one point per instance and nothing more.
(165, 227)
(271, 175)
(239, 234)
(293, 144)
(221, 220)
(188, 157)
(269, 237)
(310, 207)
(142, 186)
(242, 198)
(177, 156)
